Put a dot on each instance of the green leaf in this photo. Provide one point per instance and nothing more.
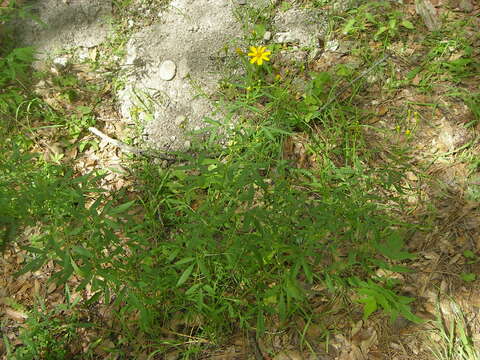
(82, 145)
(370, 306)
(392, 248)
(260, 323)
(259, 30)
(407, 24)
(33, 265)
(369, 17)
(186, 274)
(349, 26)
(192, 290)
(407, 314)
(344, 70)
(184, 260)
(121, 208)
(392, 24)
(308, 271)
(203, 268)
(82, 251)
(292, 290)
(380, 32)
(85, 110)
(468, 277)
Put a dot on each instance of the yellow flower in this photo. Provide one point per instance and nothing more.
(239, 51)
(259, 54)
(278, 77)
(408, 132)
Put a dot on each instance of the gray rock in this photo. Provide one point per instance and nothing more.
(199, 67)
(262, 4)
(332, 45)
(69, 25)
(302, 26)
(242, 2)
(167, 70)
(60, 62)
(285, 38)
(452, 136)
(267, 36)
(344, 5)
(180, 120)
(465, 6)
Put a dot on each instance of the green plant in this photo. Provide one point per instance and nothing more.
(48, 334)
(387, 24)
(228, 237)
(450, 339)
(376, 296)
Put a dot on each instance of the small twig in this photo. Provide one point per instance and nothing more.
(121, 145)
(127, 148)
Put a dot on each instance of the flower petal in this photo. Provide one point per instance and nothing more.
(253, 49)
(267, 53)
(252, 60)
(260, 61)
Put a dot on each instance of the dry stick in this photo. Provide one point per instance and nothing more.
(127, 148)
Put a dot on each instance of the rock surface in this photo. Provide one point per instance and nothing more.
(301, 26)
(192, 36)
(71, 24)
(173, 65)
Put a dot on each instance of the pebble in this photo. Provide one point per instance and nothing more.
(267, 36)
(168, 70)
(60, 62)
(187, 144)
(180, 120)
(242, 2)
(332, 45)
(285, 37)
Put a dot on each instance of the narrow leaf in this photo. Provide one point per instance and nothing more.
(185, 275)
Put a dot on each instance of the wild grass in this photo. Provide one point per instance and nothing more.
(451, 337)
(237, 232)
